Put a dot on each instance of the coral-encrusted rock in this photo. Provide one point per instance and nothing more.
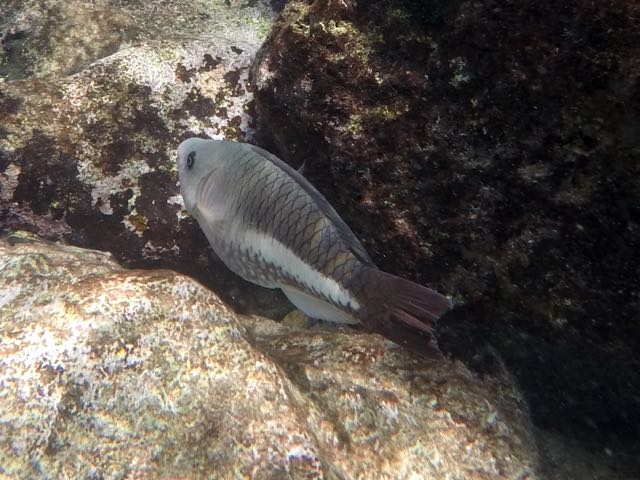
(111, 373)
(90, 157)
(490, 150)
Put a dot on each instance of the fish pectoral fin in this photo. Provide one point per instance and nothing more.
(315, 307)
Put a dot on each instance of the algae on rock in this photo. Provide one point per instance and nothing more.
(489, 150)
(87, 144)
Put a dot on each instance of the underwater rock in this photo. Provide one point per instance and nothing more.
(92, 156)
(488, 150)
(60, 37)
(45, 39)
(115, 373)
(87, 147)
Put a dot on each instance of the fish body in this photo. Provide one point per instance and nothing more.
(269, 225)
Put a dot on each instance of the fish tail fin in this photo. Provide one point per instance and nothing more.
(392, 303)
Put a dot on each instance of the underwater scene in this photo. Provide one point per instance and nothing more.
(320, 239)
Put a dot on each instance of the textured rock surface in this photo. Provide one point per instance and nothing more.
(87, 144)
(110, 373)
(53, 38)
(492, 150)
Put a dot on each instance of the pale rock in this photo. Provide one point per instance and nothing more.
(115, 373)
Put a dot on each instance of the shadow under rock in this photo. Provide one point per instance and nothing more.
(587, 395)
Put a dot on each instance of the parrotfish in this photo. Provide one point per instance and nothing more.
(270, 226)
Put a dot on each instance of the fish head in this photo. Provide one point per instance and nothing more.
(197, 157)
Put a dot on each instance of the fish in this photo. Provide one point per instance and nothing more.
(268, 224)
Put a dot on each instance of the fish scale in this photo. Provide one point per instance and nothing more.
(269, 225)
(294, 223)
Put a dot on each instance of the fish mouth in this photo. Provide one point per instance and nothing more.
(189, 200)
(204, 188)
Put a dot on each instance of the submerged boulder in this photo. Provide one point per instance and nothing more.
(114, 373)
(91, 157)
(94, 99)
(489, 150)
(58, 38)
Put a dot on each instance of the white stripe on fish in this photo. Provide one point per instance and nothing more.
(275, 253)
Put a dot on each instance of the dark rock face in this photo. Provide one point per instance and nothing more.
(491, 151)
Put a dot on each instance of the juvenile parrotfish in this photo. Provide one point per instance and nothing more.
(270, 226)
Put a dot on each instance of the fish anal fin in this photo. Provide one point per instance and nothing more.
(317, 308)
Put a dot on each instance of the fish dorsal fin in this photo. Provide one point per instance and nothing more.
(325, 207)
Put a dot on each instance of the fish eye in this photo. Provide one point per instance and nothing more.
(191, 158)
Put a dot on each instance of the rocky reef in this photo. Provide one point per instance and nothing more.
(487, 149)
(89, 127)
(114, 373)
(491, 150)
